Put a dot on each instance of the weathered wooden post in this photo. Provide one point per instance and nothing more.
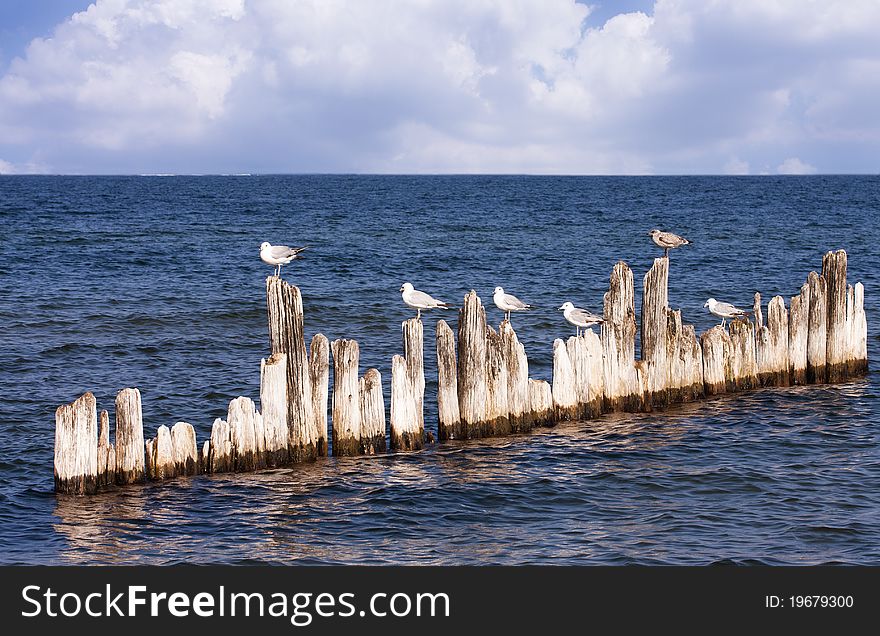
(655, 306)
(319, 373)
(286, 335)
(186, 452)
(220, 457)
(519, 413)
(372, 404)
(817, 329)
(406, 434)
(496, 421)
(106, 452)
(76, 446)
(860, 333)
(715, 346)
(622, 388)
(408, 390)
(565, 403)
(160, 455)
(472, 373)
(834, 272)
(541, 402)
(798, 326)
(129, 437)
(448, 415)
(346, 398)
(273, 407)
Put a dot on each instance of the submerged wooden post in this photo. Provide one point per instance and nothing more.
(372, 404)
(129, 437)
(160, 453)
(472, 372)
(76, 446)
(448, 414)
(563, 390)
(413, 351)
(346, 398)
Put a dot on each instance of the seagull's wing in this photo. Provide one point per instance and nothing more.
(513, 301)
(727, 308)
(417, 297)
(582, 315)
(672, 240)
(283, 251)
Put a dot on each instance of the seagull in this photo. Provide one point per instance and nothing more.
(278, 255)
(667, 240)
(724, 310)
(579, 317)
(508, 302)
(420, 300)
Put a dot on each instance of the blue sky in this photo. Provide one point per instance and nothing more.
(440, 86)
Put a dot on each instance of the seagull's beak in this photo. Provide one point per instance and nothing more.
(560, 308)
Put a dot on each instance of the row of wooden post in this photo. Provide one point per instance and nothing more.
(484, 388)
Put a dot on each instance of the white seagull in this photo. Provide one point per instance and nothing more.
(508, 302)
(278, 255)
(725, 310)
(417, 300)
(580, 318)
(667, 240)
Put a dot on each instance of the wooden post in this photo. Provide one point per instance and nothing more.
(129, 437)
(517, 379)
(715, 342)
(743, 369)
(76, 446)
(319, 372)
(563, 391)
(448, 415)
(242, 427)
(655, 305)
(273, 407)
(836, 349)
(185, 449)
(817, 329)
(106, 452)
(541, 402)
(220, 457)
(346, 398)
(406, 433)
(472, 373)
(286, 335)
(372, 404)
(161, 455)
(413, 351)
(859, 332)
(622, 389)
(497, 421)
(693, 386)
(798, 325)
(595, 374)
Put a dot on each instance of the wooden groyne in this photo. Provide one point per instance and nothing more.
(483, 383)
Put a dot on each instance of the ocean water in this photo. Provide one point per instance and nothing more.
(155, 282)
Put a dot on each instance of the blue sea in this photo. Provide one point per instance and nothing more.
(155, 282)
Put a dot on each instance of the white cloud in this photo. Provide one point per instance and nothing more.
(446, 86)
(793, 165)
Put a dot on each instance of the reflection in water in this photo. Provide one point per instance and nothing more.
(764, 476)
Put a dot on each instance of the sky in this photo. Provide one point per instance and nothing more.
(440, 86)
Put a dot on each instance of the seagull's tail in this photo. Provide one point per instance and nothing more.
(444, 306)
